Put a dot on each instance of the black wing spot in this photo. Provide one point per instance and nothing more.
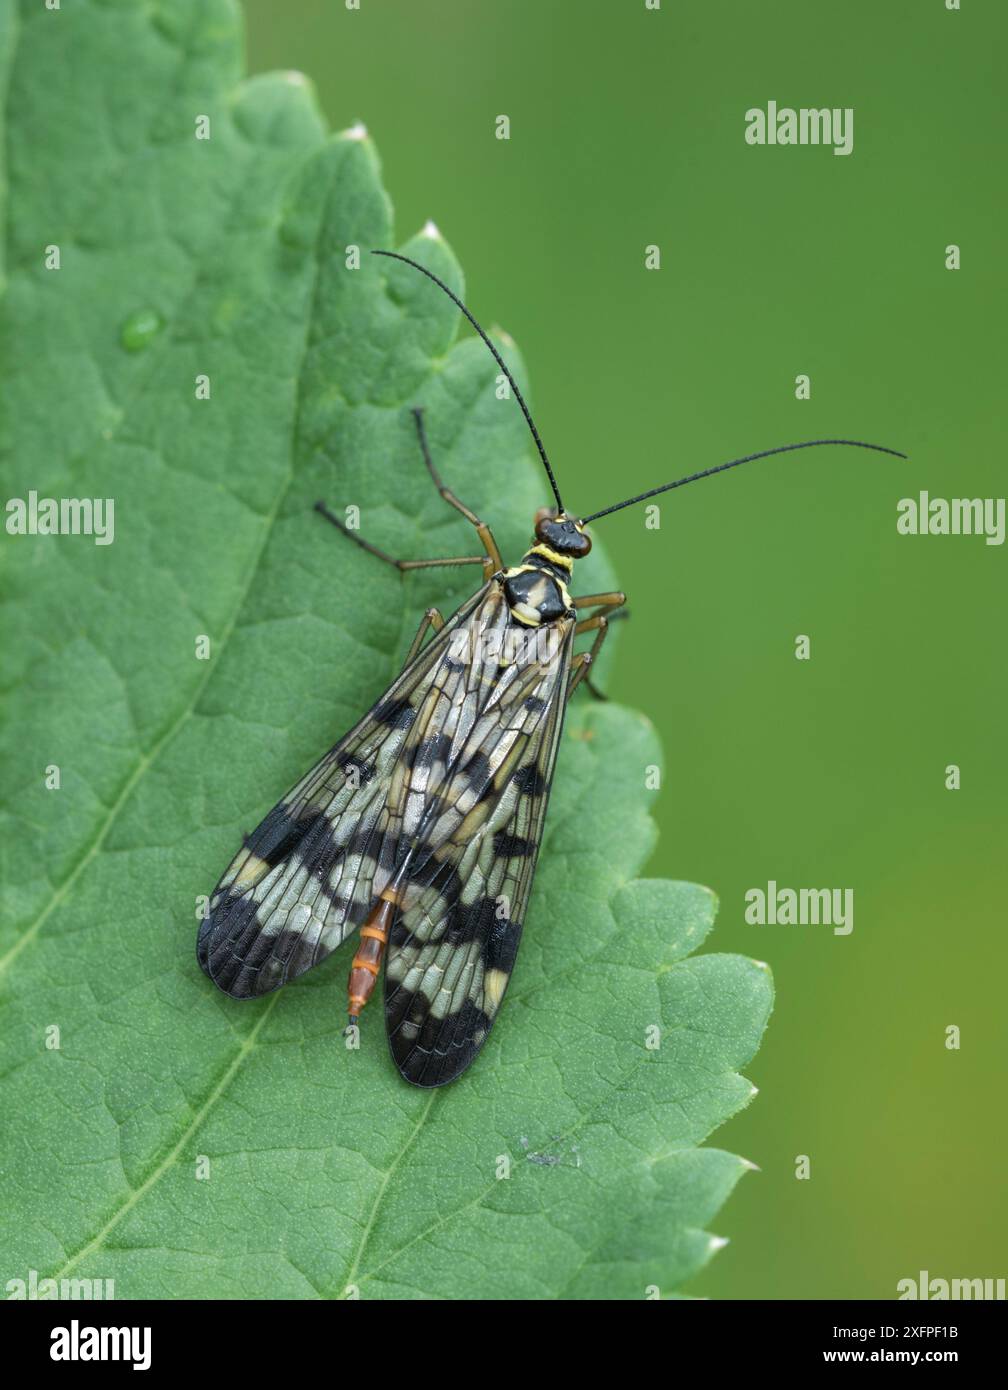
(529, 780)
(477, 769)
(428, 871)
(280, 834)
(405, 1009)
(433, 750)
(394, 713)
(511, 846)
(501, 948)
(471, 923)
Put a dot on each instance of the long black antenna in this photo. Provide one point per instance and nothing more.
(734, 463)
(395, 256)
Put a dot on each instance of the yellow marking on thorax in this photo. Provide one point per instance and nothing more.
(525, 614)
(554, 556)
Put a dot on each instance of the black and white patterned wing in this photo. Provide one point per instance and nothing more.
(307, 875)
(454, 942)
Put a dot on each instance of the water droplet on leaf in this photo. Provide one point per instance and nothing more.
(140, 329)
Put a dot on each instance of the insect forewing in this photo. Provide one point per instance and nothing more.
(306, 876)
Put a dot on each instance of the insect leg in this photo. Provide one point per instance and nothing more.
(432, 618)
(390, 559)
(597, 620)
(482, 529)
(613, 599)
(580, 667)
(583, 661)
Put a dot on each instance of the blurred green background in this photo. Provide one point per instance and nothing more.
(627, 130)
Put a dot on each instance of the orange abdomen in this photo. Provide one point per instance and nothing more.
(367, 962)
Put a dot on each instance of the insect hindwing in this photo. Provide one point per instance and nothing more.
(443, 785)
(454, 944)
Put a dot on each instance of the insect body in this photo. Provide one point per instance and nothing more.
(421, 827)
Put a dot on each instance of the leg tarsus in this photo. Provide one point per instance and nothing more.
(400, 565)
(491, 561)
(334, 520)
(584, 660)
(445, 492)
(598, 620)
(482, 529)
(579, 670)
(579, 675)
(432, 618)
(435, 564)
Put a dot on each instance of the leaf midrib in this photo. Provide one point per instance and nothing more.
(148, 758)
(97, 1241)
(248, 1043)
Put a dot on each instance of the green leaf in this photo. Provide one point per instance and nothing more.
(123, 1067)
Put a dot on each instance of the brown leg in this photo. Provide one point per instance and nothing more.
(579, 675)
(584, 660)
(613, 599)
(431, 619)
(482, 529)
(390, 559)
(491, 561)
